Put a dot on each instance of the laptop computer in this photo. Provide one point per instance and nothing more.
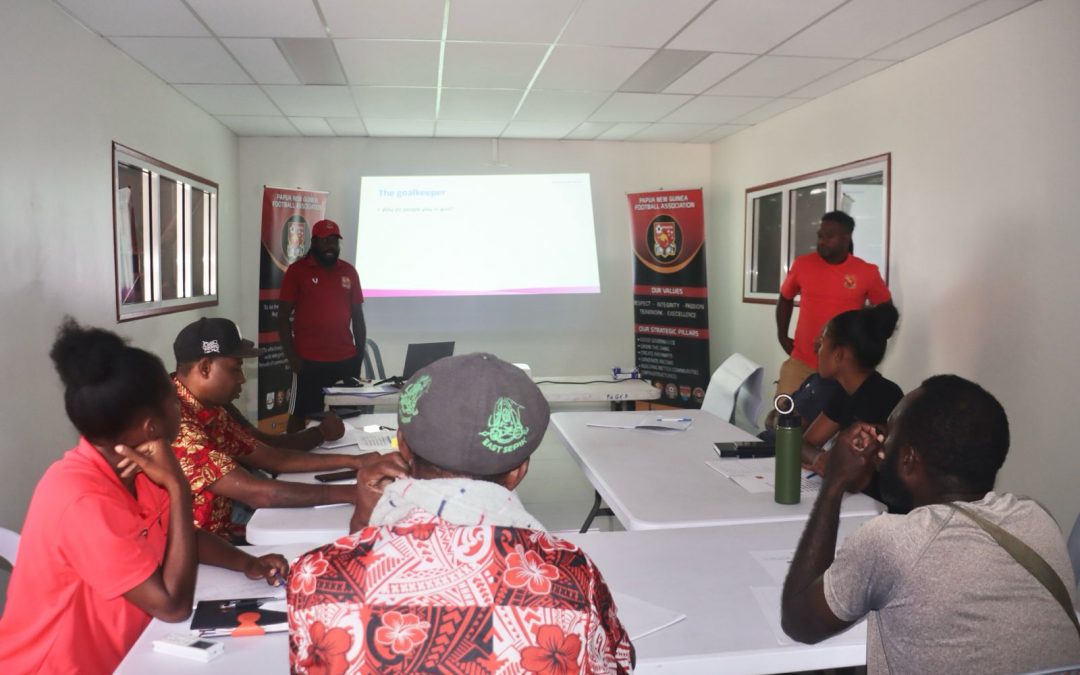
(417, 356)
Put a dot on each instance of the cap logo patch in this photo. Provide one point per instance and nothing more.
(505, 432)
(409, 397)
(210, 347)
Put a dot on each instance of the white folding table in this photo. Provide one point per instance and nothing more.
(725, 580)
(659, 479)
(556, 389)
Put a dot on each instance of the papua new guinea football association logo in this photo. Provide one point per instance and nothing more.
(664, 239)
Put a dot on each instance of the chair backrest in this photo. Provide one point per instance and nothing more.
(1074, 550)
(373, 367)
(9, 545)
(736, 387)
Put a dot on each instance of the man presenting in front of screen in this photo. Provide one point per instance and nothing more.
(326, 338)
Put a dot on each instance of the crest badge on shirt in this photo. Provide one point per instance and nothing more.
(849, 281)
(346, 283)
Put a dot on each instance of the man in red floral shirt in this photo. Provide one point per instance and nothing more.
(452, 574)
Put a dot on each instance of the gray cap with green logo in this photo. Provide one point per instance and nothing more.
(473, 413)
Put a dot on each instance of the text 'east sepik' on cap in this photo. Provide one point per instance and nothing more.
(475, 414)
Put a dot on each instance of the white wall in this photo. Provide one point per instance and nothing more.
(554, 334)
(65, 95)
(986, 161)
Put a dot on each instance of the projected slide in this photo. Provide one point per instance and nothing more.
(476, 235)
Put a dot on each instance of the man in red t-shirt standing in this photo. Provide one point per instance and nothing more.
(326, 339)
(829, 281)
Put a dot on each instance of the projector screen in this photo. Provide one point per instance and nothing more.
(476, 235)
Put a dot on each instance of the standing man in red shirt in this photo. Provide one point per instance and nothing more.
(326, 338)
(829, 281)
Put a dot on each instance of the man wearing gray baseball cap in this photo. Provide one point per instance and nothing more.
(446, 569)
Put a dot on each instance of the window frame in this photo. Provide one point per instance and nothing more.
(153, 170)
(832, 177)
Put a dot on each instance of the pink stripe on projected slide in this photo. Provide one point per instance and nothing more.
(412, 292)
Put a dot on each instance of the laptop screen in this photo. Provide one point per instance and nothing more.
(423, 354)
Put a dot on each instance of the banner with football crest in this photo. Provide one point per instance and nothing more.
(671, 315)
(287, 217)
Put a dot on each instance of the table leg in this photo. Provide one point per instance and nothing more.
(596, 510)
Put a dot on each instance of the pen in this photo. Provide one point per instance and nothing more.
(811, 475)
(672, 419)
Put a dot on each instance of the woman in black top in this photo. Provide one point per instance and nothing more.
(849, 350)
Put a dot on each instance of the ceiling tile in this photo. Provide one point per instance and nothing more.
(404, 128)
(347, 126)
(722, 131)
(621, 131)
(675, 133)
(714, 68)
(490, 66)
(954, 26)
(750, 27)
(637, 107)
(312, 126)
(715, 109)
(229, 99)
(629, 23)
(184, 60)
(770, 109)
(407, 103)
(247, 125)
(862, 27)
(844, 76)
(312, 59)
(663, 67)
(162, 18)
(590, 68)
(508, 20)
(559, 106)
(589, 130)
(260, 18)
(390, 63)
(388, 19)
(484, 105)
(313, 100)
(468, 129)
(775, 76)
(262, 59)
(538, 129)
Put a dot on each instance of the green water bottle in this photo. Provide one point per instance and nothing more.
(788, 451)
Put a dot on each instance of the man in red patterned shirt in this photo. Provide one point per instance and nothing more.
(216, 446)
(452, 573)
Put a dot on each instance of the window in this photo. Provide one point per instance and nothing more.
(165, 233)
(782, 220)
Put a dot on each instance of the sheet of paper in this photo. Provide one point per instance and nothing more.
(641, 618)
(775, 562)
(383, 441)
(758, 475)
(351, 437)
(652, 423)
(768, 600)
(371, 391)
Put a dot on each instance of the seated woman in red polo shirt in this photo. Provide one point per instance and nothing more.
(109, 540)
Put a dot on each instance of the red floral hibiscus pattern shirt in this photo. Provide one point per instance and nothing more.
(427, 595)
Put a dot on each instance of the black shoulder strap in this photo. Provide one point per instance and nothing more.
(1029, 559)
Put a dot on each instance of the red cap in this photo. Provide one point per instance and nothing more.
(325, 228)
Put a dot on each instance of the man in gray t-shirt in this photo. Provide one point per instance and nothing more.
(942, 595)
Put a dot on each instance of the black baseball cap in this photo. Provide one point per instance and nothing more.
(475, 414)
(212, 337)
